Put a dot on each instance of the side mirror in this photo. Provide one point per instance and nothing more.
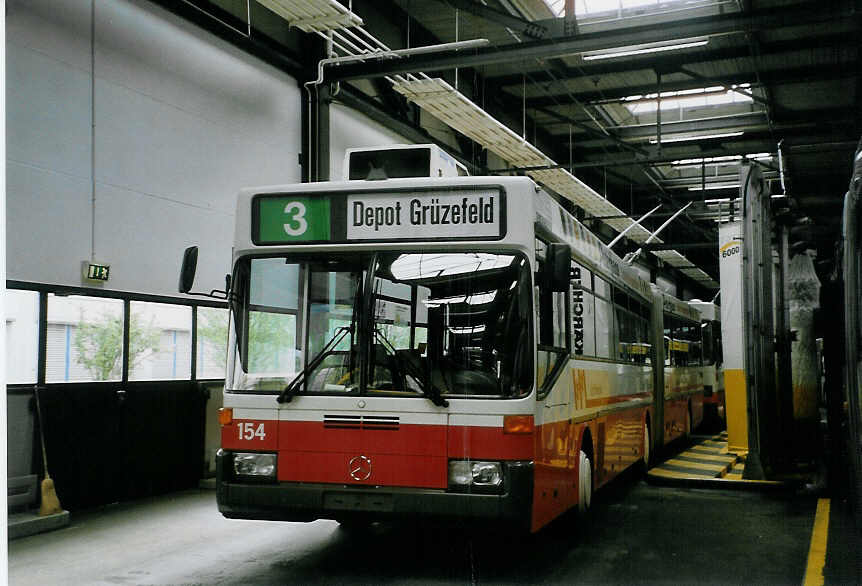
(558, 263)
(188, 269)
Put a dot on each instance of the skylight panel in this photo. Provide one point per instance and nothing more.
(592, 7)
(691, 98)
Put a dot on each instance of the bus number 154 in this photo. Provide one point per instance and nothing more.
(249, 430)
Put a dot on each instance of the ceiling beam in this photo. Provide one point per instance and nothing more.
(678, 246)
(803, 126)
(729, 150)
(717, 124)
(675, 61)
(526, 27)
(805, 14)
(773, 78)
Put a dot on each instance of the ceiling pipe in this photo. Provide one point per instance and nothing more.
(385, 54)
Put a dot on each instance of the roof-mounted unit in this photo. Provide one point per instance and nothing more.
(400, 160)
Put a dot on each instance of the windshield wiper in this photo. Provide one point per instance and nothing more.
(429, 389)
(290, 390)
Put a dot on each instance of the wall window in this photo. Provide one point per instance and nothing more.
(159, 341)
(85, 339)
(212, 342)
(22, 336)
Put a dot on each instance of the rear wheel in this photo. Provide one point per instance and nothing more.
(585, 483)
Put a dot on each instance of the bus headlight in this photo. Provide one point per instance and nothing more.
(477, 474)
(260, 466)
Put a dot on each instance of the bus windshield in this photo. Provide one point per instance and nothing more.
(386, 323)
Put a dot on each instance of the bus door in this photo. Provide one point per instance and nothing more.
(555, 488)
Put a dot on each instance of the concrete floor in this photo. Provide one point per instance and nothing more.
(638, 534)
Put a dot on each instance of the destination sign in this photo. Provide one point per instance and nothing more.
(422, 214)
(430, 215)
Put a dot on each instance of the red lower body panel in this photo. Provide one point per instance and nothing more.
(405, 456)
(382, 469)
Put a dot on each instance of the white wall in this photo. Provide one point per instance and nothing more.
(182, 122)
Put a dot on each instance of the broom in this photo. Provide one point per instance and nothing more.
(50, 503)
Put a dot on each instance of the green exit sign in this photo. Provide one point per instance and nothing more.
(96, 272)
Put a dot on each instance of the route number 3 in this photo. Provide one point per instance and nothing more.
(249, 431)
(297, 224)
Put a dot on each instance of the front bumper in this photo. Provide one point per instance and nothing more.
(294, 501)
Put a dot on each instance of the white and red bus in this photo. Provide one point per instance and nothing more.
(456, 348)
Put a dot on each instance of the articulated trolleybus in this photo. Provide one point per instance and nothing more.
(455, 348)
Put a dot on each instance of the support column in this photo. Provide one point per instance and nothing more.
(735, 389)
(315, 133)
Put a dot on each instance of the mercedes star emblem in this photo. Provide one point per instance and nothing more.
(359, 468)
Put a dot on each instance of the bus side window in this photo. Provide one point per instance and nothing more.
(583, 312)
(605, 338)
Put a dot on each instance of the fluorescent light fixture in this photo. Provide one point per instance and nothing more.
(475, 299)
(710, 186)
(426, 266)
(697, 161)
(642, 50)
(697, 137)
(716, 201)
(477, 329)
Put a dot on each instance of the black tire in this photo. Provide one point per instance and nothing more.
(646, 457)
(585, 484)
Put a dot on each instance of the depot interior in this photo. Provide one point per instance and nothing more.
(133, 124)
